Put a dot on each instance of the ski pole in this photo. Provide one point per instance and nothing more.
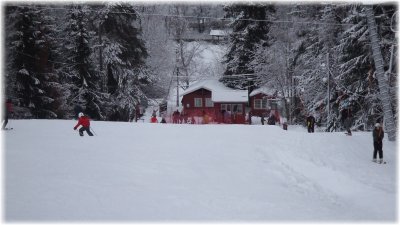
(93, 131)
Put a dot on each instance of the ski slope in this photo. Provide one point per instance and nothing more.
(142, 172)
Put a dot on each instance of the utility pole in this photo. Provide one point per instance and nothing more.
(383, 83)
(328, 108)
(177, 78)
(103, 76)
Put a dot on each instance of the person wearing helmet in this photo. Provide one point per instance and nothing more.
(84, 121)
(378, 135)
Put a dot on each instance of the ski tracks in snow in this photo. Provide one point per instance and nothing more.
(284, 165)
(332, 176)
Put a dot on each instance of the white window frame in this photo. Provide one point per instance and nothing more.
(257, 104)
(223, 107)
(238, 107)
(209, 103)
(230, 107)
(198, 102)
(273, 103)
(260, 103)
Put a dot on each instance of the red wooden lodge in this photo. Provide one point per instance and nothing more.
(209, 101)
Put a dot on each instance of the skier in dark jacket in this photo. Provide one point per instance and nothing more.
(262, 119)
(378, 135)
(347, 119)
(271, 120)
(85, 122)
(310, 123)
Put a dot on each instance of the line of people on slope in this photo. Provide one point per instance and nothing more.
(377, 133)
(84, 121)
(346, 117)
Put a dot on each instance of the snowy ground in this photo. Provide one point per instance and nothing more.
(142, 172)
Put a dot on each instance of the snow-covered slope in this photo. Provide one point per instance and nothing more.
(168, 172)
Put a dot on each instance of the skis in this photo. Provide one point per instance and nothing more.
(8, 128)
(377, 162)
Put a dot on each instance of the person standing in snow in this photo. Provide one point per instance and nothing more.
(176, 115)
(271, 119)
(262, 119)
(310, 123)
(8, 109)
(347, 119)
(205, 117)
(85, 122)
(154, 114)
(378, 135)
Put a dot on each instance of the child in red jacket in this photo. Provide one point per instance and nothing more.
(153, 120)
(84, 121)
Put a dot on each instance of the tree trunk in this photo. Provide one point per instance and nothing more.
(383, 83)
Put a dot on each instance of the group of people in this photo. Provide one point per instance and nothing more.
(271, 119)
(377, 133)
(176, 117)
(346, 118)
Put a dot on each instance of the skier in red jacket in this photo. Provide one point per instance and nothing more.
(84, 121)
(8, 109)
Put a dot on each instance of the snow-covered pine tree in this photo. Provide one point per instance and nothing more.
(124, 58)
(353, 87)
(85, 82)
(318, 82)
(356, 83)
(29, 49)
(250, 28)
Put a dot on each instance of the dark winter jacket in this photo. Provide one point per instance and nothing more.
(378, 134)
(271, 120)
(84, 121)
(346, 113)
(310, 121)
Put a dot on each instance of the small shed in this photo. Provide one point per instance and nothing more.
(264, 102)
(219, 34)
(209, 101)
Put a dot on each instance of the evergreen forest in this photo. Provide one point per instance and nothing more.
(109, 57)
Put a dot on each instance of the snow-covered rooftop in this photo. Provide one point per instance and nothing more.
(262, 90)
(218, 33)
(229, 96)
(219, 92)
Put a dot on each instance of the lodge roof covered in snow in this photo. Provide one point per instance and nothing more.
(219, 92)
(263, 90)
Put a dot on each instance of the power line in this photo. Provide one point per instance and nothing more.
(211, 18)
